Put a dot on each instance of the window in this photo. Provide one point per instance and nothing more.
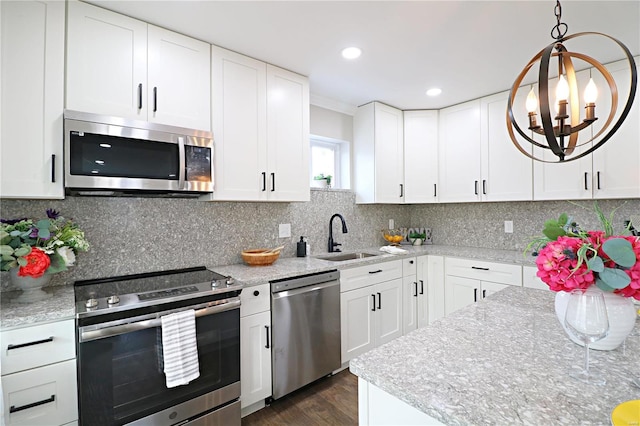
(330, 157)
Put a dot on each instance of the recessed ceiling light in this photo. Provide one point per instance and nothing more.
(351, 53)
(434, 92)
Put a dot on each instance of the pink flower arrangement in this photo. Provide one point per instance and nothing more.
(569, 258)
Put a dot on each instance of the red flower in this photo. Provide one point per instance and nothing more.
(37, 263)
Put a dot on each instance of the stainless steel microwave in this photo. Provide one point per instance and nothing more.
(115, 156)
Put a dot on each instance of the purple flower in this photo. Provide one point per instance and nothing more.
(34, 232)
(52, 214)
(12, 221)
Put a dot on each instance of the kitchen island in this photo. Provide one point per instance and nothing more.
(502, 361)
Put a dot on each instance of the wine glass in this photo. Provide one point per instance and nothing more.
(586, 319)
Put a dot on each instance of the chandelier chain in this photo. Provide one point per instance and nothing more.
(560, 30)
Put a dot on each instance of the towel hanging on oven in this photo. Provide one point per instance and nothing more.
(180, 348)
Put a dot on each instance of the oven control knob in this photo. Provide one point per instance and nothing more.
(91, 303)
(113, 300)
(230, 281)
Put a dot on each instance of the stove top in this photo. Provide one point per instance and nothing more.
(121, 293)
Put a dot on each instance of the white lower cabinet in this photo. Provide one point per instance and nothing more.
(530, 278)
(39, 375)
(432, 267)
(255, 348)
(370, 307)
(468, 281)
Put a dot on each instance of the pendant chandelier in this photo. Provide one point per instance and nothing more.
(560, 133)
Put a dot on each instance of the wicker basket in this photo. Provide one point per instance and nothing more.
(259, 257)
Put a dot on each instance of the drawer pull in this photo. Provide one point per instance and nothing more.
(24, 345)
(375, 272)
(479, 268)
(14, 409)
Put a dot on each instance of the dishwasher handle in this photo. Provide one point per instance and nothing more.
(303, 290)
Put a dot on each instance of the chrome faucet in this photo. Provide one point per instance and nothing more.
(333, 245)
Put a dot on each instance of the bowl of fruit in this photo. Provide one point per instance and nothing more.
(393, 236)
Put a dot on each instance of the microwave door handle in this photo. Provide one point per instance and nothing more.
(181, 167)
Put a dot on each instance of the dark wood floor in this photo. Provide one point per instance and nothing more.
(330, 401)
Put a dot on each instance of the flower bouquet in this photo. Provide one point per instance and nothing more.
(39, 247)
(569, 258)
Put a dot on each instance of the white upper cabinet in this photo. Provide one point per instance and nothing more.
(261, 130)
(420, 156)
(378, 154)
(122, 67)
(507, 174)
(32, 99)
(615, 164)
(459, 153)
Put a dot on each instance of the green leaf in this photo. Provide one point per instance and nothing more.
(563, 219)
(620, 251)
(595, 264)
(553, 229)
(57, 264)
(22, 251)
(6, 250)
(602, 286)
(22, 261)
(614, 278)
(4, 237)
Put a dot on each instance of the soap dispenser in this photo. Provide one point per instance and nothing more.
(301, 248)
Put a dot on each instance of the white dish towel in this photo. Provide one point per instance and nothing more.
(180, 348)
(392, 249)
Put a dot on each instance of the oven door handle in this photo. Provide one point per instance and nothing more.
(89, 335)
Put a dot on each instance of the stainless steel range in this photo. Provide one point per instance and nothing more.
(120, 364)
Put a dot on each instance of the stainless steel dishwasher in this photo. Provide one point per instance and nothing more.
(305, 330)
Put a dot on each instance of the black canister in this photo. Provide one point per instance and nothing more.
(302, 248)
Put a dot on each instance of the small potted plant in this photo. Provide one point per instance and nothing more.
(417, 238)
(322, 181)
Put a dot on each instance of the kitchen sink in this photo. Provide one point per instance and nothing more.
(345, 256)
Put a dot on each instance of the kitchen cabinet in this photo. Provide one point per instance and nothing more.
(459, 152)
(123, 67)
(32, 99)
(39, 374)
(468, 281)
(432, 267)
(255, 350)
(413, 296)
(420, 156)
(609, 172)
(506, 174)
(370, 307)
(530, 278)
(378, 154)
(261, 130)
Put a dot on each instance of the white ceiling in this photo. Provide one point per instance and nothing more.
(468, 48)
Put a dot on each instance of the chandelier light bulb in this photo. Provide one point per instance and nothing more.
(562, 89)
(532, 102)
(590, 92)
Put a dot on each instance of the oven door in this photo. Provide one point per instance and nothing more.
(120, 379)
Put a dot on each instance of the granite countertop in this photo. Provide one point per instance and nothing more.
(504, 360)
(61, 303)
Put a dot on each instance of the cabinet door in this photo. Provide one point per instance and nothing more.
(459, 152)
(106, 62)
(287, 135)
(434, 284)
(388, 315)
(179, 78)
(421, 156)
(488, 288)
(460, 292)
(530, 278)
(389, 157)
(615, 164)
(255, 355)
(409, 303)
(239, 111)
(32, 99)
(356, 319)
(507, 174)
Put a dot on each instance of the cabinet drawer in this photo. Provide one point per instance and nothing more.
(38, 345)
(485, 271)
(409, 266)
(255, 299)
(362, 276)
(41, 396)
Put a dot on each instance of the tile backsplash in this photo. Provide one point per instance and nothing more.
(133, 235)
